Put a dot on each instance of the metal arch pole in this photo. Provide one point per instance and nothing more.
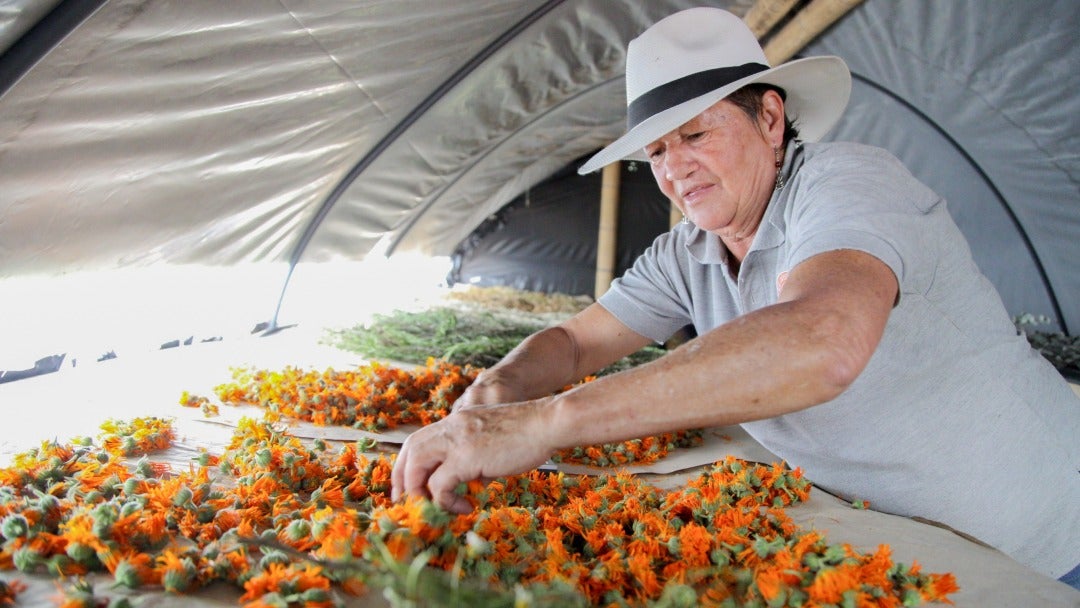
(37, 41)
(398, 130)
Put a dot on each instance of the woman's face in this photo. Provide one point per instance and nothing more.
(718, 169)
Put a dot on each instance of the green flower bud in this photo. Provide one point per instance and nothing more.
(298, 530)
(26, 559)
(178, 580)
(81, 553)
(127, 575)
(14, 526)
(131, 486)
(143, 469)
(834, 554)
(205, 514)
(130, 507)
(273, 557)
(183, 497)
(673, 545)
(58, 565)
(264, 457)
(315, 595)
(678, 596)
(911, 597)
(268, 536)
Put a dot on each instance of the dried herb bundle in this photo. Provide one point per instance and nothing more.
(463, 336)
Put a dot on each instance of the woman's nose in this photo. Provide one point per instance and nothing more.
(677, 163)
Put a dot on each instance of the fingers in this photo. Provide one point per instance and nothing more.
(397, 474)
(414, 464)
(443, 484)
(421, 469)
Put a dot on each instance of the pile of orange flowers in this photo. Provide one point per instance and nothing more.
(135, 437)
(645, 450)
(297, 524)
(378, 397)
(373, 397)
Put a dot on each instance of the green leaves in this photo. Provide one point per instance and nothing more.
(1062, 351)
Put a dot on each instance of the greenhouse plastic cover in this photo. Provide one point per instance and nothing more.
(136, 133)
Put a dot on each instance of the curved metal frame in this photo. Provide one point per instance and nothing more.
(1043, 277)
(398, 130)
(37, 41)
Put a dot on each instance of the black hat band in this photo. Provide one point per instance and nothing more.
(677, 91)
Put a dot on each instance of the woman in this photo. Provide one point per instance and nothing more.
(840, 317)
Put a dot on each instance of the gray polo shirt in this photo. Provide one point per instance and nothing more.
(955, 418)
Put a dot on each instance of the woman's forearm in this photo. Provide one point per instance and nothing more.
(540, 365)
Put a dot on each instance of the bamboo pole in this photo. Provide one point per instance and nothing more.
(813, 19)
(609, 221)
(765, 14)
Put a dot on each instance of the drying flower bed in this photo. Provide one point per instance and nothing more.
(373, 397)
(292, 524)
(377, 397)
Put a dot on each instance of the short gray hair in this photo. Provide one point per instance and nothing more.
(748, 99)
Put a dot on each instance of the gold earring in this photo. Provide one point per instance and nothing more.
(779, 174)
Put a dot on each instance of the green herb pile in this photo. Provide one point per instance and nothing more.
(478, 328)
(1062, 351)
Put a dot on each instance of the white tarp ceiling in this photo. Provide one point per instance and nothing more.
(141, 132)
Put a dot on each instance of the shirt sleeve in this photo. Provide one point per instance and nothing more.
(649, 297)
(864, 199)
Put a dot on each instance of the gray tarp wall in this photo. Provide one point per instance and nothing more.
(290, 132)
(971, 100)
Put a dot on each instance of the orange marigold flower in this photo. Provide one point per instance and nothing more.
(830, 583)
(10, 590)
(644, 576)
(695, 543)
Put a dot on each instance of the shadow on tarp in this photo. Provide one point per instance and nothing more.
(44, 365)
(53, 363)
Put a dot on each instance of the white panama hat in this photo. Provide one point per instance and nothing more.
(690, 60)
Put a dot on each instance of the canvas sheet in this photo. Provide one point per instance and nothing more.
(74, 402)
